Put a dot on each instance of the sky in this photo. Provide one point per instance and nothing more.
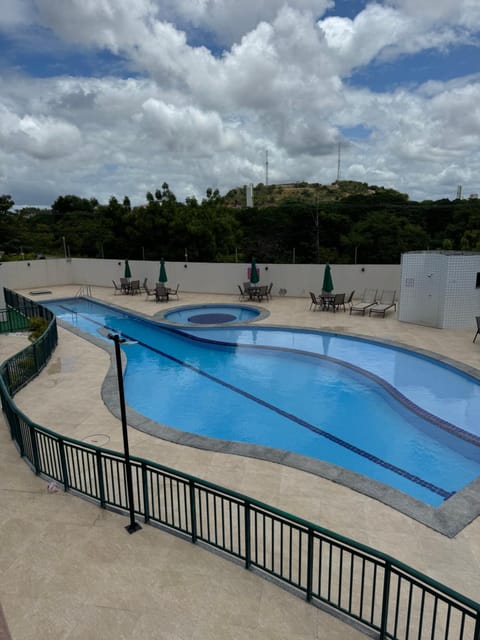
(103, 98)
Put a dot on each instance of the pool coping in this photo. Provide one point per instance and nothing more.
(160, 315)
(449, 518)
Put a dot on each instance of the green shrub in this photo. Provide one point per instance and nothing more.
(37, 327)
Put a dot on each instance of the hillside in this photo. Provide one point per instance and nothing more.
(275, 194)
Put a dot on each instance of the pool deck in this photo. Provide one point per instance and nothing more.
(70, 570)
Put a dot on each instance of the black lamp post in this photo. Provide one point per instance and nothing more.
(133, 526)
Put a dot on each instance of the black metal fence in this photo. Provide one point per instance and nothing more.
(17, 371)
(12, 320)
(366, 585)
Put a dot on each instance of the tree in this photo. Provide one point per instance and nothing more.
(6, 203)
(70, 205)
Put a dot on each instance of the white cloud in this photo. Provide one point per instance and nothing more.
(229, 20)
(195, 118)
(186, 128)
(115, 24)
(463, 12)
(15, 13)
(40, 136)
(385, 33)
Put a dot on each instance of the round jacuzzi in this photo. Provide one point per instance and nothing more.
(213, 314)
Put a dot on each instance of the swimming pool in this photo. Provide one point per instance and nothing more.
(346, 401)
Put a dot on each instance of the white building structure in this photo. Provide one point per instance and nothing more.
(440, 288)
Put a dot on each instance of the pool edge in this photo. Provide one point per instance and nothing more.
(448, 519)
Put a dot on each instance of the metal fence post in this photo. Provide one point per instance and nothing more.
(35, 357)
(17, 431)
(146, 514)
(101, 484)
(476, 634)
(33, 440)
(310, 564)
(193, 510)
(8, 379)
(385, 601)
(248, 559)
(63, 462)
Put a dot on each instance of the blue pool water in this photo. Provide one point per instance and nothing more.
(319, 395)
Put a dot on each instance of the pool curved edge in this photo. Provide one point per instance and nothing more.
(160, 316)
(448, 519)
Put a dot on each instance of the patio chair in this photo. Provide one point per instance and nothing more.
(134, 287)
(262, 292)
(315, 301)
(386, 302)
(269, 291)
(151, 293)
(337, 302)
(117, 290)
(367, 301)
(161, 293)
(243, 294)
(477, 318)
(174, 292)
(124, 285)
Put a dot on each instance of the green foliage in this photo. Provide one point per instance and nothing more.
(6, 203)
(37, 327)
(341, 222)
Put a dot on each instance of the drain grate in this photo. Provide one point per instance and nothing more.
(98, 439)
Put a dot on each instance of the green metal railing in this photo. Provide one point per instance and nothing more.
(12, 320)
(373, 588)
(17, 371)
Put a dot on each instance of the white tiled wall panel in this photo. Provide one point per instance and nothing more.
(438, 289)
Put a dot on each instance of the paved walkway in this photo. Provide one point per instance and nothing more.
(69, 569)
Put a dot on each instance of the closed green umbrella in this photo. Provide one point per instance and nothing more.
(327, 279)
(254, 277)
(128, 273)
(163, 272)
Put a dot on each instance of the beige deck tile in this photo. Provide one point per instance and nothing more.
(87, 578)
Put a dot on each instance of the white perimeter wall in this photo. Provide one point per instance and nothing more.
(199, 277)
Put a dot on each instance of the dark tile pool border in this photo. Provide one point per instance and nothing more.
(448, 519)
(160, 315)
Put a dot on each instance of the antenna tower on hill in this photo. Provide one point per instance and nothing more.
(338, 162)
(266, 167)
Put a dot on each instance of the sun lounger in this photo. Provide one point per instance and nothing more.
(477, 318)
(386, 302)
(368, 300)
(349, 300)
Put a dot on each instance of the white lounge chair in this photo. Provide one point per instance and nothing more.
(386, 302)
(477, 318)
(368, 300)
